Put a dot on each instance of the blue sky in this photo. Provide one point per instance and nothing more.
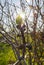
(17, 2)
(13, 1)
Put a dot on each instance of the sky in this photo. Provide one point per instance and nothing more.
(17, 3)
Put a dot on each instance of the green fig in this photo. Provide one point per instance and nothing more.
(19, 20)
